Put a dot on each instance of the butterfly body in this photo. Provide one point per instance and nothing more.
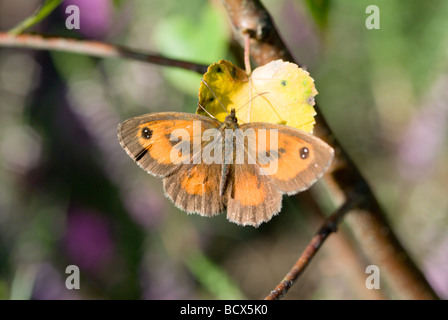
(231, 123)
(220, 166)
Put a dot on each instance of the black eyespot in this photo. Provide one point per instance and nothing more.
(146, 133)
(219, 70)
(283, 83)
(233, 72)
(211, 99)
(304, 153)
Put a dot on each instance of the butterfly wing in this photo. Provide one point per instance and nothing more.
(147, 138)
(253, 190)
(193, 186)
(296, 158)
(251, 198)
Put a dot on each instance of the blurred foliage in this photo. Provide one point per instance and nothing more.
(202, 38)
(47, 7)
(70, 195)
(319, 9)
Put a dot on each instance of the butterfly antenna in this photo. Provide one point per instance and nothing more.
(251, 100)
(206, 111)
(215, 96)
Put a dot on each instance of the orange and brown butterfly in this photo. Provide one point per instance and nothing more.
(247, 190)
(259, 161)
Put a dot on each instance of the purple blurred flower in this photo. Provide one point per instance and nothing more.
(95, 16)
(436, 269)
(50, 285)
(145, 206)
(88, 240)
(424, 138)
(158, 286)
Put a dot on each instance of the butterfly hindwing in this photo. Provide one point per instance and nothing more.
(194, 188)
(251, 198)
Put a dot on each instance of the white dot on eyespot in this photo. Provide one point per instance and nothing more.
(315, 165)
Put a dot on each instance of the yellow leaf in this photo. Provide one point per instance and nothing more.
(278, 92)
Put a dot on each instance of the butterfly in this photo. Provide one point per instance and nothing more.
(171, 145)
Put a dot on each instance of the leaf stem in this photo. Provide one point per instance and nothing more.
(40, 14)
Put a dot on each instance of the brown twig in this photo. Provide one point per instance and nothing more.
(93, 48)
(329, 226)
(247, 54)
(369, 226)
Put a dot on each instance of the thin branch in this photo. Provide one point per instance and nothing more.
(247, 54)
(329, 226)
(93, 48)
(369, 225)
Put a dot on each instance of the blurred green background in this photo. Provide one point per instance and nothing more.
(69, 195)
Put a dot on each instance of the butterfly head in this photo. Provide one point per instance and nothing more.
(231, 120)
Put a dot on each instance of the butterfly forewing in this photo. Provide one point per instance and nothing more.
(149, 139)
(294, 161)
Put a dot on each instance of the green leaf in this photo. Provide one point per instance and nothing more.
(319, 10)
(202, 38)
(39, 15)
(213, 278)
